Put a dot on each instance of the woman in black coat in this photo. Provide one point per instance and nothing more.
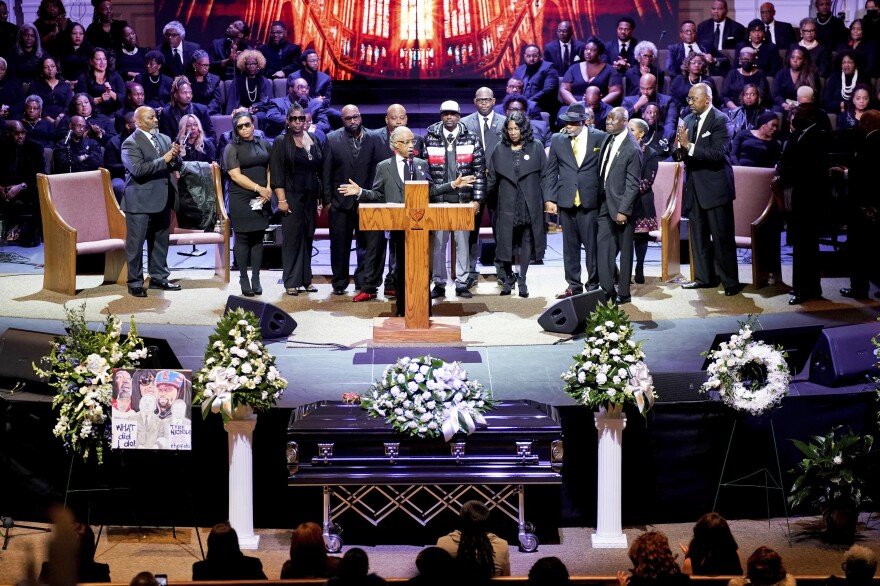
(224, 560)
(644, 212)
(515, 171)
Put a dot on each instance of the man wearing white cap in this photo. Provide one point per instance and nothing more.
(454, 151)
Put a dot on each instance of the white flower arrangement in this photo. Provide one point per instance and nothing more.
(610, 370)
(427, 397)
(80, 368)
(238, 369)
(749, 374)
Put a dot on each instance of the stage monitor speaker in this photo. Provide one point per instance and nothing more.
(568, 315)
(274, 322)
(845, 355)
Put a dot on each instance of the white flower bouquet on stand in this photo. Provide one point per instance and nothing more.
(426, 397)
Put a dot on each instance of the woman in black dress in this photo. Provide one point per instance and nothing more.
(129, 58)
(105, 31)
(246, 159)
(224, 560)
(75, 52)
(515, 171)
(592, 71)
(295, 168)
(644, 212)
(819, 53)
(106, 87)
(757, 147)
(25, 55)
(53, 25)
(713, 551)
(52, 88)
(847, 73)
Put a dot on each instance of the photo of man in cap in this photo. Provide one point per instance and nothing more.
(170, 386)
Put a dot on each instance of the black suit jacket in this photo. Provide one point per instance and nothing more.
(219, 50)
(474, 123)
(783, 34)
(733, 31)
(622, 176)
(541, 85)
(678, 52)
(384, 150)
(612, 51)
(388, 187)
(709, 175)
(169, 122)
(767, 59)
(668, 111)
(564, 176)
(339, 166)
(283, 58)
(172, 68)
(553, 54)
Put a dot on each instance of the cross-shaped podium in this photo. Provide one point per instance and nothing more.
(417, 219)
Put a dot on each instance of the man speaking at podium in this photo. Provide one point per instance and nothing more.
(388, 187)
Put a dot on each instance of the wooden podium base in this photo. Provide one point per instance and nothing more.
(393, 330)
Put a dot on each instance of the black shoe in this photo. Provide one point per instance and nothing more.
(523, 289)
(255, 285)
(853, 293)
(164, 285)
(537, 262)
(137, 291)
(438, 292)
(590, 289)
(735, 290)
(798, 299)
(620, 300)
(338, 291)
(463, 292)
(471, 282)
(508, 286)
(246, 289)
(640, 275)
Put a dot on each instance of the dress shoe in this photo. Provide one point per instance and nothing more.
(338, 290)
(640, 275)
(390, 292)
(438, 292)
(567, 293)
(164, 285)
(292, 291)
(735, 290)
(137, 291)
(363, 296)
(590, 289)
(853, 293)
(255, 285)
(246, 288)
(309, 289)
(471, 282)
(508, 286)
(538, 262)
(620, 299)
(697, 285)
(463, 293)
(523, 288)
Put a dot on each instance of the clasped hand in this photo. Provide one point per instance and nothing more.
(682, 135)
(175, 150)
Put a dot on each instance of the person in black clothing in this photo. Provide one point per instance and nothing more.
(52, 89)
(224, 560)
(549, 571)
(767, 57)
(746, 116)
(194, 145)
(831, 31)
(204, 83)
(106, 87)
(19, 204)
(757, 147)
(282, 56)
(8, 30)
(157, 85)
(75, 51)
(181, 105)
(100, 127)
(53, 25)
(134, 99)
(644, 212)
(801, 71)
(11, 94)
(88, 570)
(128, 58)
(653, 563)
(354, 570)
(113, 155)
(25, 55)
(105, 31)
(713, 551)
(77, 152)
(436, 567)
(39, 129)
(308, 556)
(859, 566)
(748, 73)
(224, 52)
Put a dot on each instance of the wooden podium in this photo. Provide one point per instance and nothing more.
(417, 219)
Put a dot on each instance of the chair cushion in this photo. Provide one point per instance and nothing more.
(195, 237)
(96, 246)
(79, 200)
(743, 241)
(657, 235)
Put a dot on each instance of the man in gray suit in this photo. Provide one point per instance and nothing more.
(388, 187)
(149, 159)
(571, 189)
(619, 176)
(487, 124)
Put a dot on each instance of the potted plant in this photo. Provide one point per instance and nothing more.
(833, 479)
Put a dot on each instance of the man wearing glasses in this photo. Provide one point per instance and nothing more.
(540, 79)
(77, 152)
(297, 92)
(351, 154)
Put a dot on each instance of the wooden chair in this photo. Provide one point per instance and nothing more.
(755, 225)
(668, 191)
(80, 216)
(220, 240)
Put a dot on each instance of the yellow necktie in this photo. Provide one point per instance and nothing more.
(577, 195)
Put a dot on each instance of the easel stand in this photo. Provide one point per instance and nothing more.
(762, 478)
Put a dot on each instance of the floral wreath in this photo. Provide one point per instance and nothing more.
(749, 374)
(427, 397)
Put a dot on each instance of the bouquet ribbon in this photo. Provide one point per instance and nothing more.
(452, 421)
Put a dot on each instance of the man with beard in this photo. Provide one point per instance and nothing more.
(21, 162)
(134, 99)
(297, 92)
(181, 105)
(150, 188)
(168, 390)
(320, 84)
(540, 79)
(619, 52)
(515, 87)
(635, 105)
(656, 137)
(77, 152)
(351, 154)
(223, 52)
(282, 56)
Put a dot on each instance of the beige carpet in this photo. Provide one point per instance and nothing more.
(488, 319)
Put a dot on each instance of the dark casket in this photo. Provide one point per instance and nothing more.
(352, 455)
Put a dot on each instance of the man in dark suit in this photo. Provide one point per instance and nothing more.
(571, 189)
(619, 175)
(708, 192)
(282, 56)
(223, 52)
(593, 102)
(540, 79)
(565, 51)
(687, 33)
(388, 187)
(150, 160)
(183, 105)
(176, 49)
(779, 33)
(648, 94)
(320, 84)
(350, 153)
(619, 52)
(515, 87)
(720, 32)
(487, 124)
(297, 91)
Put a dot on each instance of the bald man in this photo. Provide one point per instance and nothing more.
(150, 160)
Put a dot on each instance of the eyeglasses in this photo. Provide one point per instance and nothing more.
(808, 30)
(691, 100)
(484, 100)
(405, 142)
(244, 125)
(350, 118)
(296, 118)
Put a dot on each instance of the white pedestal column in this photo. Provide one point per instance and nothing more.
(241, 476)
(610, 423)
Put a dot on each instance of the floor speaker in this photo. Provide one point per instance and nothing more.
(568, 315)
(19, 350)
(274, 322)
(845, 355)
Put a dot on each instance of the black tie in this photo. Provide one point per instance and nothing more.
(155, 140)
(407, 170)
(696, 128)
(177, 59)
(566, 57)
(622, 48)
(485, 126)
(769, 33)
(716, 36)
(690, 50)
(608, 144)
